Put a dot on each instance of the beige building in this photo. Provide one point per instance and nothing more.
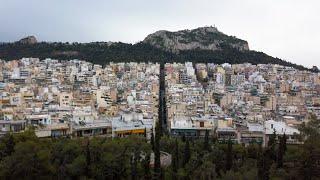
(65, 99)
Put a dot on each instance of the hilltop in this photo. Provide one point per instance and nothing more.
(28, 40)
(203, 38)
(205, 44)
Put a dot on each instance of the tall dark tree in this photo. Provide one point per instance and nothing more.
(152, 139)
(9, 148)
(157, 162)
(272, 139)
(229, 156)
(146, 166)
(162, 101)
(187, 153)
(284, 138)
(145, 133)
(272, 145)
(175, 160)
(214, 135)
(281, 151)
(206, 144)
(133, 162)
(163, 173)
(88, 159)
(183, 138)
(263, 165)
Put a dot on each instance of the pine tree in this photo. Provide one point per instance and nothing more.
(229, 156)
(187, 155)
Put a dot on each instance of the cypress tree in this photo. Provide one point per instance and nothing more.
(183, 138)
(206, 145)
(214, 135)
(272, 140)
(175, 160)
(281, 151)
(131, 167)
(271, 146)
(229, 156)
(162, 101)
(133, 162)
(162, 174)
(146, 165)
(160, 119)
(88, 159)
(263, 165)
(157, 162)
(280, 154)
(152, 140)
(9, 148)
(187, 154)
(284, 138)
(145, 132)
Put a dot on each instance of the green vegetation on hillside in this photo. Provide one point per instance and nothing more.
(102, 53)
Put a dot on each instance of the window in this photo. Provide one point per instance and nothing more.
(201, 124)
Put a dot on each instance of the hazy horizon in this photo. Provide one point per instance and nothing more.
(286, 29)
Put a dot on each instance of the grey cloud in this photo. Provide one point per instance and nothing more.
(287, 29)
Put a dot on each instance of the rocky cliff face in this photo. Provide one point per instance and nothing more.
(203, 38)
(28, 40)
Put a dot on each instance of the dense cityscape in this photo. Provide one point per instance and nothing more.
(218, 105)
(78, 98)
(244, 102)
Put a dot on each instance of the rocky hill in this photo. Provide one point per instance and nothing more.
(203, 38)
(28, 40)
(205, 45)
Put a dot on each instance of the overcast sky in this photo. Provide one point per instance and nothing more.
(288, 29)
